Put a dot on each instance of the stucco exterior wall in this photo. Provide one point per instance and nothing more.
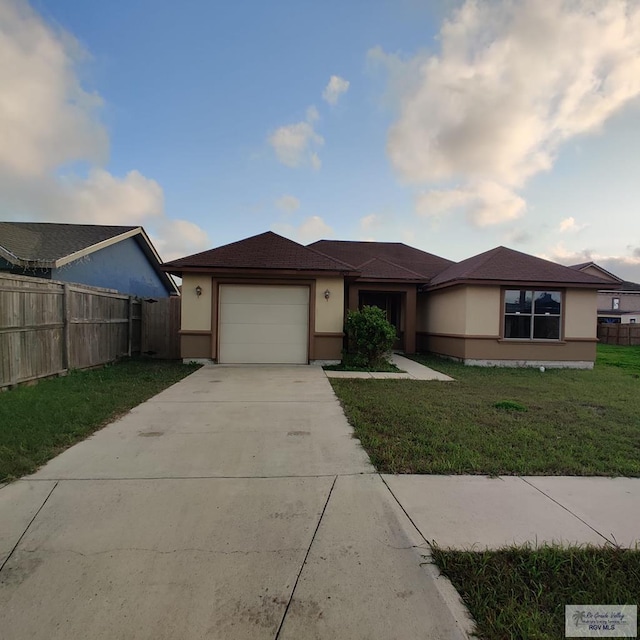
(483, 311)
(329, 313)
(443, 311)
(196, 310)
(627, 301)
(593, 271)
(580, 313)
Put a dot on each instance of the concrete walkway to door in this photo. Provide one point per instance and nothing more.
(235, 504)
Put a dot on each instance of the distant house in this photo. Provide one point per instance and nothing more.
(114, 257)
(267, 299)
(618, 303)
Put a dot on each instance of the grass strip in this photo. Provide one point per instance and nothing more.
(38, 422)
(521, 592)
(502, 421)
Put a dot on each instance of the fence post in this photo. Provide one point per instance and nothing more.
(66, 331)
(130, 333)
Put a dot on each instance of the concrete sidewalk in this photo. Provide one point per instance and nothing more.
(235, 504)
(411, 370)
(488, 513)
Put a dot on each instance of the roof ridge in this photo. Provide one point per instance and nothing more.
(324, 255)
(399, 266)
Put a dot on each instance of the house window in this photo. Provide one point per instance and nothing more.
(532, 315)
(615, 304)
(632, 320)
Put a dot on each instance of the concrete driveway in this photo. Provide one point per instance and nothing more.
(235, 504)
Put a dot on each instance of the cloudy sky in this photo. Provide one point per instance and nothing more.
(453, 126)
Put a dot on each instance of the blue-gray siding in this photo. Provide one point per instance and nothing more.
(122, 266)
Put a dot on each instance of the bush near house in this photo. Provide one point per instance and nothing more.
(370, 337)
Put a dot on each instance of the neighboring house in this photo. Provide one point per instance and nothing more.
(268, 299)
(114, 257)
(617, 303)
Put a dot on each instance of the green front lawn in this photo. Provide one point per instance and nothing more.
(501, 421)
(38, 422)
(521, 592)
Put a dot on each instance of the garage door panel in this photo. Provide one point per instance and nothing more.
(263, 324)
(265, 294)
(263, 354)
(238, 313)
(275, 334)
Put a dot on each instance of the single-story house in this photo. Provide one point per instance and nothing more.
(619, 301)
(113, 257)
(267, 299)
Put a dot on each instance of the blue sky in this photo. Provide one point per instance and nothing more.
(452, 126)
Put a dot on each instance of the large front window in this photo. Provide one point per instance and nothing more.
(532, 315)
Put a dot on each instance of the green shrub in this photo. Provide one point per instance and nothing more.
(370, 337)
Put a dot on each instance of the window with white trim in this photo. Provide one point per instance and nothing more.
(532, 315)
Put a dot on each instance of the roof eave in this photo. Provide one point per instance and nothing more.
(256, 271)
(518, 283)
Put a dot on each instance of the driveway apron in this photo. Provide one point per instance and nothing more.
(235, 504)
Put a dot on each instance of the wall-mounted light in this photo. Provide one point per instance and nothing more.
(198, 291)
(327, 294)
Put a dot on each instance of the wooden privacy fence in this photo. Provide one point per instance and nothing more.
(48, 328)
(623, 334)
(161, 328)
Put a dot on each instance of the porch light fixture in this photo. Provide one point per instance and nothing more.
(327, 293)
(198, 291)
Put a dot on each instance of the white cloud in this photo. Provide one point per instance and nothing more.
(294, 143)
(48, 121)
(626, 267)
(46, 118)
(485, 203)
(370, 222)
(309, 230)
(334, 89)
(288, 203)
(514, 80)
(569, 225)
(177, 238)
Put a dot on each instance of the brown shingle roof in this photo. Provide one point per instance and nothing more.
(264, 251)
(45, 242)
(503, 264)
(385, 270)
(417, 265)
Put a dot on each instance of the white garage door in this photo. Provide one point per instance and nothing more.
(263, 324)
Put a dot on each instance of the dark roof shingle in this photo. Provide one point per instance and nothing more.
(46, 242)
(264, 251)
(503, 264)
(408, 262)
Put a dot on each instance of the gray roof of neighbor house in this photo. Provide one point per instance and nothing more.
(629, 286)
(47, 245)
(43, 243)
(385, 260)
(507, 265)
(264, 251)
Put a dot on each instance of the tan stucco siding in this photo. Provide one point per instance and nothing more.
(443, 311)
(580, 314)
(483, 311)
(196, 310)
(329, 312)
(593, 271)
